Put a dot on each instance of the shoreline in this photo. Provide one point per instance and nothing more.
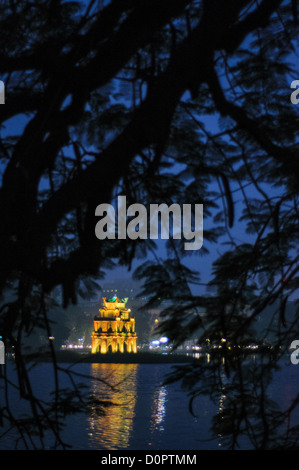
(123, 358)
(110, 358)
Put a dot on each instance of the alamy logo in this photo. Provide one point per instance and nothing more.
(295, 354)
(159, 216)
(2, 352)
(294, 95)
(2, 93)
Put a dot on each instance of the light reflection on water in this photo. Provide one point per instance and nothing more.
(113, 430)
(146, 414)
(158, 409)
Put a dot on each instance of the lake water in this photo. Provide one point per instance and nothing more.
(148, 415)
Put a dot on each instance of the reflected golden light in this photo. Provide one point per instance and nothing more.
(113, 429)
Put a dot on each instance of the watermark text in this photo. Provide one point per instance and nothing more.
(294, 95)
(185, 222)
(295, 354)
(2, 352)
(2, 92)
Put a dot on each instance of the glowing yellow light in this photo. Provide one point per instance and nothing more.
(107, 336)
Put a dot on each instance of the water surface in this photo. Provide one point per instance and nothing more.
(146, 414)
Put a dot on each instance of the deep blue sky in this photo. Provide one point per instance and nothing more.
(196, 260)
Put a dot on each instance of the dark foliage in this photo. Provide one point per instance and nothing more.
(116, 98)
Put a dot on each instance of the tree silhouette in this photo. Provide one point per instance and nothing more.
(115, 98)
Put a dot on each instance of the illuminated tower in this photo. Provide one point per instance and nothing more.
(114, 329)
